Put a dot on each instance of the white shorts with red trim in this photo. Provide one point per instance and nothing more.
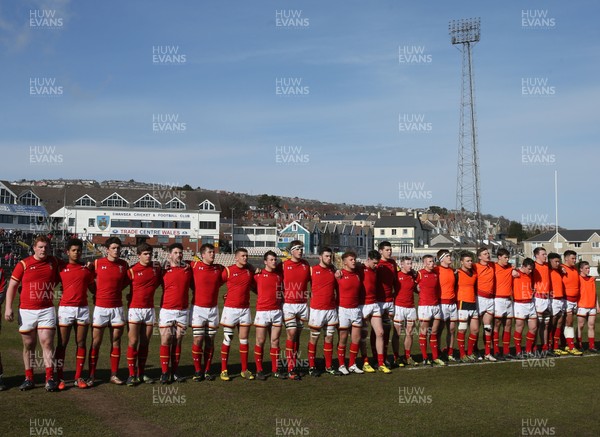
(236, 316)
(349, 317)
(68, 316)
(142, 316)
(168, 318)
(428, 312)
(525, 310)
(205, 316)
(503, 307)
(109, 316)
(371, 310)
(270, 317)
(37, 319)
(403, 315)
(321, 318)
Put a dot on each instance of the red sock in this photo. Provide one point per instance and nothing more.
(115, 357)
(224, 356)
(423, 345)
(450, 351)
(433, 343)
(591, 343)
(289, 355)
(471, 343)
(570, 343)
(258, 358)
(94, 352)
(557, 338)
(406, 354)
(208, 354)
(175, 354)
(529, 340)
(312, 352)
(518, 337)
(488, 343)
(461, 343)
(506, 343)
(59, 356)
(79, 362)
(131, 359)
(29, 374)
(197, 356)
(328, 353)
(380, 360)
(142, 358)
(341, 349)
(164, 358)
(545, 347)
(49, 373)
(274, 359)
(353, 353)
(496, 342)
(244, 355)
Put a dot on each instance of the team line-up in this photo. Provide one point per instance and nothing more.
(545, 294)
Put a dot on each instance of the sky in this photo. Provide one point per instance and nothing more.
(340, 101)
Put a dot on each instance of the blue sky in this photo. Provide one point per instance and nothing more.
(345, 128)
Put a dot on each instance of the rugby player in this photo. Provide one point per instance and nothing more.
(571, 284)
(587, 305)
(236, 312)
(449, 312)
(486, 288)
(503, 305)
(37, 276)
(371, 312)
(145, 277)
(430, 315)
(208, 278)
(387, 287)
(350, 316)
(524, 308)
(541, 287)
(296, 276)
(269, 315)
(405, 314)
(468, 317)
(111, 279)
(559, 304)
(73, 310)
(323, 311)
(174, 313)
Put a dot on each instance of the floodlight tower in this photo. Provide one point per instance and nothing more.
(464, 34)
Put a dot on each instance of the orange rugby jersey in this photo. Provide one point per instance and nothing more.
(541, 280)
(523, 288)
(587, 294)
(465, 285)
(504, 280)
(556, 282)
(485, 279)
(447, 284)
(571, 283)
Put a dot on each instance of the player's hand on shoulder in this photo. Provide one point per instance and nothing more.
(339, 274)
(515, 273)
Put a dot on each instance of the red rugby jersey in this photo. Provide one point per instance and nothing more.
(571, 283)
(558, 288)
(405, 297)
(587, 294)
(239, 282)
(368, 295)
(296, 276)
(111, 279)
(387, 279)
(207, 281)
(349, 286)
(486, 286)
(429, 287)
(176, 287)
(504, 281)
(75, 278)
(323, 288)
(37, 279)
(269, 286)
(541, 280)
(144, 282)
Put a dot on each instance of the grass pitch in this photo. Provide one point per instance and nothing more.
(543, 397)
